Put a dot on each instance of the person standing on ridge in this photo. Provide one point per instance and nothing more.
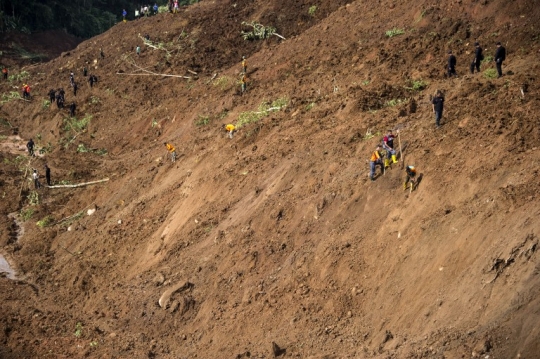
(411, 175)
(48, 175)
(30, 147)
(156, 8)
(75, 87)
(243, 83)
(438, 105)
(500, 56)
(244, 65)
(52, 96)
(230, 130)
(71, 78)
(478, 57)
(35, 177)
(5, 73)
(172, 150)
(101, 53)
(452, 62)
(72, 108)
(374, 161)
(388, 145)
(84, 71)
(124, 14)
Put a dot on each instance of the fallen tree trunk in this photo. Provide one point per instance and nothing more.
(78, 185)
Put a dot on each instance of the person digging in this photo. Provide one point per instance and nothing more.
(411, 177)
(172, 151)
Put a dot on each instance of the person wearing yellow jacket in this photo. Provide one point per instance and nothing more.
(172, 150)
(374, 161)
(230, 129)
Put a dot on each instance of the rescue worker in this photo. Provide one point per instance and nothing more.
(124, 14)
(30, 147)
(500, 56)
(71, 78)
(48, 175)
(84, 71)
(5, 73)
(231, 129)
(438, 105)
(72, 109)
(156, 8)
(26, 91)
(101, 53)
(75, 87)
(478, 57)
(243, 83)
(35, 176)
(374, 161)
(388, 145)
(52, 95)
(411, 175)
(244, 64)
(91, 80)
(172, 150)
(452, 62)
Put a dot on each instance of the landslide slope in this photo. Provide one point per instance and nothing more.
(278, 235)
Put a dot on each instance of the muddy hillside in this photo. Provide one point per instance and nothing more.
(275, 242)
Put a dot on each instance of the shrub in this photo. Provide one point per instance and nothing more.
(312, 10)
(264, 109)
(202, 121)
(491, 74)
(45, 222)
(46, 104)
(416, 85)
(26, 214)
(394, 32)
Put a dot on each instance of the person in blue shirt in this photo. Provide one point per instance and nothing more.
(124, 14)
(156, 8)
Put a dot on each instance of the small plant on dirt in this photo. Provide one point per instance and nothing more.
(312, 10)
(33, 198)
(365, 82)
(93, 344)
(45, 149)
(310, 106)
(223, 114)
(394, 32)
(223, 82)
(259, 32)
(7, 97)
(78, 330)
(45, 222)
(21, 76)
(46, 104)
(416, 85)
(491, 74)
(26, 214)
(81, 148)
(395, 102)
(202, 120)
(264, 109)
(487, 59)
(94, 100)
(77, 125)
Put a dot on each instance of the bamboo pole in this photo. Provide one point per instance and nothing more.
(78, 184)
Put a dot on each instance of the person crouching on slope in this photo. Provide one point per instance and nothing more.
(172, 150)
(411, 177)
(230, 130)
(375, 160)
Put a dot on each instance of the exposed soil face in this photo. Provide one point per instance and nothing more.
(277, 235)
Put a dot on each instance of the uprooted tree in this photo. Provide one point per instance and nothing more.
(259, 32)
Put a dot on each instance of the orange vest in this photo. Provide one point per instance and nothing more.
(375, 156)
(4, 70)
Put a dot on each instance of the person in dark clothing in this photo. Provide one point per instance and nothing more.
(478, 57)
(84, 71)
(72, 108)
(451, 64)
(92, 79)
(5, 73)
(60, 99)
(30, 146)
(500, 56)
(75, 89)
(438, 105)
(71, 78)
(52, 95)
(48, 175)
(101, 53)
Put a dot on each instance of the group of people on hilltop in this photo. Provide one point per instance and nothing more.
(499, 57)
(144, 11)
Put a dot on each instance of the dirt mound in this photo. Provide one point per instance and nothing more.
(275, 243)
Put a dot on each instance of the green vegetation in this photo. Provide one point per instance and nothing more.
(365, 82)
(20, 77)
(394, 32)
(26, 214)
(76, 125)
(310, 106)
(94, 100)
(491, 74)
(78, 330)
(202, 120)
(223, 82)
(13, 95)
(259, 32)
(416, 85)
(46, 104)
(487, 59)
(395, 102)
(264, 109)
(33, 198)
(81, 148)
(45, 222)
(312, 10)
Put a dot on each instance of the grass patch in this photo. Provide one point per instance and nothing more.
(7, 97)
(223, 82)
(310, 106)
(78, 330)
(491, 74)
(487, 59)
(395, 101)
(33, 198)
(94, 100)
(264, 109)
(46, 104)
(416, 85)
(20, 77)
(394, 32)
(75, 124)
(312, 10)
(26, 214)
(202, 120)
(45, 222)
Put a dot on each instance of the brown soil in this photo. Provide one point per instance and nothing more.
(278, 236)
